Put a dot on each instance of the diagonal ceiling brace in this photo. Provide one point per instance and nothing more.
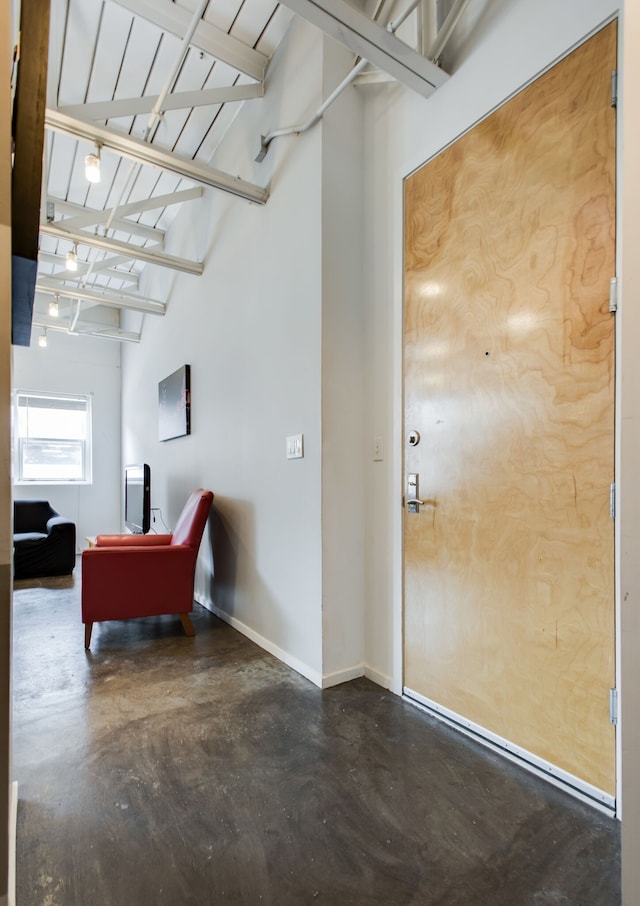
(355, 30)
(89, 329)
(103, 266)
(76, 277)
(148, 154)
(79, 216)
(113, 300)
(139, 253)
(135, 207)
(177, 100)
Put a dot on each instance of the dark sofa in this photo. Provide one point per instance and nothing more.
(44, 543)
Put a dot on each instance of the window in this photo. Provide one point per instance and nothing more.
(52, 438)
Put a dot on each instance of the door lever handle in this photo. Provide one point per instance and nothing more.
(413, 502)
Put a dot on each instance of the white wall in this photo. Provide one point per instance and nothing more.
(250, 328)
(89, 366)
(344, 442)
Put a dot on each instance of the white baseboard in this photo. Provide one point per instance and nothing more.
(325, 681)
(284, 656)
(380, 679)
(342, 676)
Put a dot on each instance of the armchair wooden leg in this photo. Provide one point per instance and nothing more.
(87, 634)
(187, 625)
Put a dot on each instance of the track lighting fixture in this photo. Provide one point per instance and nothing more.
(72, 258)
(92, 166)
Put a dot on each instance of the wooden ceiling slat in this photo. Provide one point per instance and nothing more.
(274, 31)
(112, 43)
(251, 19)
(81, 36)
(123, 50)
(176, 20)
(148, 51)
(221, 13)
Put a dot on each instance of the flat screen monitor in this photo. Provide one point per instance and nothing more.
(137, 498)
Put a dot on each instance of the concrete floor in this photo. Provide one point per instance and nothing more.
(159, 769)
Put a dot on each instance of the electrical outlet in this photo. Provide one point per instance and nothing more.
(377, 449)
(295, 446)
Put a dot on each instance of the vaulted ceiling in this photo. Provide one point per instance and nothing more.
(152, 87)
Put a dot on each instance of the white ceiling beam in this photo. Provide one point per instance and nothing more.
(135, 252)
(60, 261)
(179, 100)
(107, 333)
(80, 216)
(157, 201)
(355, 30)
(148, 154)
(103, 266)
(113, 300)
(176, 19)
(140, 207)
(107, 264)
(88, 329)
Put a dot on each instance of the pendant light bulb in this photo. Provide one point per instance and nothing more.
(92, 166)
(72, 259)
(42, 340)
(54, 308)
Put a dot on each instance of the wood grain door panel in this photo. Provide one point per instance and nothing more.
(509, 378)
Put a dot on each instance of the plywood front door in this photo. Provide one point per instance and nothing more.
(509, 380)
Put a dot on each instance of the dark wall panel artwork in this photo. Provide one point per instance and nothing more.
(174, 404)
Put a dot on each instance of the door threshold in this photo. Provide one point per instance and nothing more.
(571, 784)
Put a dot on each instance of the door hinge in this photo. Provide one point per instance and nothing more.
(614, 88)
(613, 294)
(612, 500)
(613, 706)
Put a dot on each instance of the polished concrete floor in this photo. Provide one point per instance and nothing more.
(159, 769)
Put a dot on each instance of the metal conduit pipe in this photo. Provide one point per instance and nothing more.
(449, 24)
(265, 140)
(155, 115)
(76, 315)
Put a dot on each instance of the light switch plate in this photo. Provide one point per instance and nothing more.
(295, 446)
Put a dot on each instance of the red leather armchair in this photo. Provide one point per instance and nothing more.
(127, 576)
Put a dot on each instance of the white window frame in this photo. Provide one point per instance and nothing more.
(85, 444)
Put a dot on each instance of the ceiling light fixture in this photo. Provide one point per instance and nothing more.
(72, 258)
(42, 339)
(54, 307)
(92, 166)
